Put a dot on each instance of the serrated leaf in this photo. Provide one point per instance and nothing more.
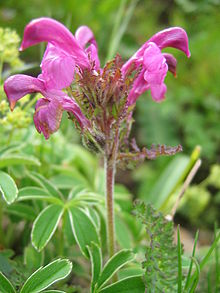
(96, 263)
(36, 193)
(10, 160)
(46, 184)
(83, 229)
(5, 285)
(128, 285)
(23, 211)
(114, 264)
(46, 276)
(45, 225)
(8, 188)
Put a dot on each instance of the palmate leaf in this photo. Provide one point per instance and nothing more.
(36, 193)
(113, 265)
(45, 184)
(127, 285)
(23, 211)
(5, 285)
(8, 188)
(96, 263)
(46, 276)
(53, 291)
(14, 159)
(45, 225)
(83, 228)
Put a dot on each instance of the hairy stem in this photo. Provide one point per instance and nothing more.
(111, 152)
(109, 192)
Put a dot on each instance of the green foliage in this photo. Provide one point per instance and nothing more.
(161, 264)
(8, 188)
(5, 285)
(41, 279)
(101, 276)
(83, 228)
(127, 285)
(46, 276)
(45, 225)
(9, 53)
(113, 265)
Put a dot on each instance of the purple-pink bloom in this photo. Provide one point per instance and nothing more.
(64, 50)
(153, 64)
(48, 110)
(63, 54)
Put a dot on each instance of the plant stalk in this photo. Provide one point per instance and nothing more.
(109, 193)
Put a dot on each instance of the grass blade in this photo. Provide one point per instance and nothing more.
(217, 288)
(121, 23)
(197, 272)
(179, 247)
(191, 263)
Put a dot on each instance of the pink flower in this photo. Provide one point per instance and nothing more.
(63, 54)
(48, 110)
(153, 64)
(64, 51)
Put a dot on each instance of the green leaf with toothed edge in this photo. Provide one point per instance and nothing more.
(128, 285)
(8, 188)
(45, 225)
(114, 264)
(5, 285)
(46, 276)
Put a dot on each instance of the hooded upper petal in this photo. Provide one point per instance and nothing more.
(85, 36)
(57, 68)
(174, 37)
(49, 30)
(19, 85)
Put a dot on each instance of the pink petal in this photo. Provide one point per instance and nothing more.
(171, 62)
(174, 37)
(85, 36)
(17, 86)
(57, 68)
(139, 87)
(47, 117)
(158, 92)
(71, 106)
(49, 30)
(93, 56)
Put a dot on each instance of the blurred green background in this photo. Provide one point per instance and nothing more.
(190, 114)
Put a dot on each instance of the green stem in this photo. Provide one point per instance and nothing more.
(111, 152)
(110, 180)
